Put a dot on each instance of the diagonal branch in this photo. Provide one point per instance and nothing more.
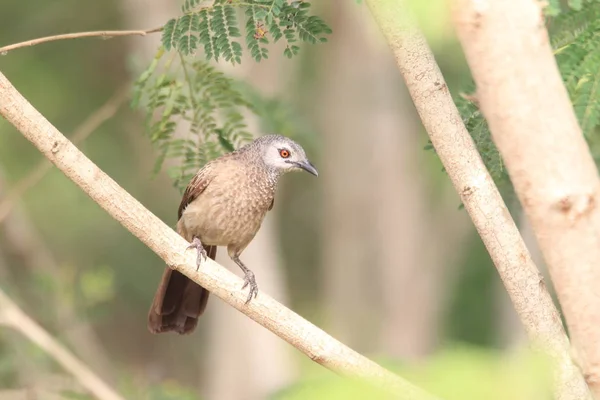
(21, 237)
(11, 315)
(480, 196)
(102, 34)
(167, 244)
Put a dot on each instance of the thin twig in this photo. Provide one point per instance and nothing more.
(93, 122)
(11, 315)
(479, 194)
(103, 34)
(171, 247)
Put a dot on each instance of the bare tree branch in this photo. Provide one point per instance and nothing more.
(535, 128)
(167, 244)
(103, 34)
(480, 196)
(93, 122)
(11, 315)
(24, 242)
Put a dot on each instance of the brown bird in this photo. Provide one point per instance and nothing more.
(223, 205)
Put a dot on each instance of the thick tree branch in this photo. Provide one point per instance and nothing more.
(171, 247)
(533, 124)
(480, 196)
(11, 315)
(102, 34)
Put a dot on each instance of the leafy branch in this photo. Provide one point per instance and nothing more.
(179, 89)
(204, 98)
(216, 27)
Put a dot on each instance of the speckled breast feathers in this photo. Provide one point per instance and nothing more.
(226, 202)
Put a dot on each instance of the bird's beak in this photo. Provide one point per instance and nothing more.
(308, 167)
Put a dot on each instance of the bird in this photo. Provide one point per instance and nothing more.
(224, 204)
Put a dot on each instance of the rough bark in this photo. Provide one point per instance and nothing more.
(510, 332)
(171, 247)
(480, 196)
(534, 126)
(415, 242)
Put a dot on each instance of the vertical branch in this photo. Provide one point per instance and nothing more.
(480, 196)
(533, 124)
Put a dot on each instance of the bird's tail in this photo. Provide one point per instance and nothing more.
(178, 302)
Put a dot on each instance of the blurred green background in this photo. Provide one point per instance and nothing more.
(375, 251)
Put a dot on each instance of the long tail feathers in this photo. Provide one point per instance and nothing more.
(178, 302)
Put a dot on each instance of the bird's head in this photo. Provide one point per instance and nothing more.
(283, 154)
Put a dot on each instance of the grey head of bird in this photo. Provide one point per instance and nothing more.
(281, 154)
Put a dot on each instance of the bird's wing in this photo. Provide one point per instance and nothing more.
(272, 202)
(196, 186)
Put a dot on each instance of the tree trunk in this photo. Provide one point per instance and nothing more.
(472, 181)
(522, 96)
(415, 242)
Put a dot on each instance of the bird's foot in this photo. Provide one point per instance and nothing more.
(197, 244)
(250, 281)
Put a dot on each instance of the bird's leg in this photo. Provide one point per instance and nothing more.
(197, 244)
(248, 279)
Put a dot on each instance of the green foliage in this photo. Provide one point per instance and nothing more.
(574, 35)
(130, 387)
(578, 58)
(97, 285)
(467, 372)
(458, 373)
(204, 99)
(216, 28)
(178, 89)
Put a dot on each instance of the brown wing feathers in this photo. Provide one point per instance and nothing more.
(179, 301)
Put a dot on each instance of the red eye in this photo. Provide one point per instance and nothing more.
(284, 153)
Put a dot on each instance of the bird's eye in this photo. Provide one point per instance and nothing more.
(284, 153)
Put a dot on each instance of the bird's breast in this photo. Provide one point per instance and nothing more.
(230, 210)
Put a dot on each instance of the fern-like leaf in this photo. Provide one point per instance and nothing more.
(215, 27)
(187, 26)
(189, 5)
(206, 99)
(195, 93)
(575, 37)
(255, 35)
(168, 34)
